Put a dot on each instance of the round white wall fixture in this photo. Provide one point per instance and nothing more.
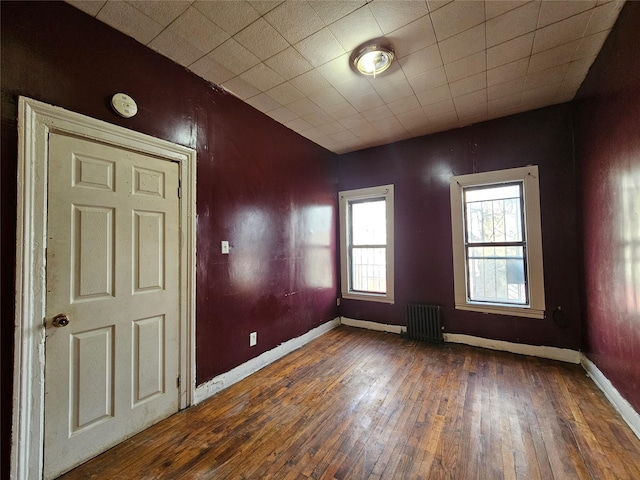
(124, 105)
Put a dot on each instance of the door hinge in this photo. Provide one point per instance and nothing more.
(179, 189)
(178, 382)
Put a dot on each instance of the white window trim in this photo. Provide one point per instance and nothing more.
(344, 198)
(533, 232)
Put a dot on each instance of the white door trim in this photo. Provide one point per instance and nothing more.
(35, 121)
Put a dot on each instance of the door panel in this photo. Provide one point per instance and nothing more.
(112, 268)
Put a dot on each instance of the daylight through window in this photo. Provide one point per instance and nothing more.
(497, 242)
(366, 243)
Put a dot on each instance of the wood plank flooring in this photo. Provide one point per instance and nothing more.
(356, 404)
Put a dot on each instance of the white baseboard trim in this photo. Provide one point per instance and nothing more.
(623, 407)
(553, 353)
(380, 327)
(227, 379)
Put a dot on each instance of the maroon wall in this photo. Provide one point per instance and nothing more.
(608, 159)
(264, 188)
(420, 169)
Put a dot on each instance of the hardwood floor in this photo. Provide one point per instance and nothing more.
(356, 404)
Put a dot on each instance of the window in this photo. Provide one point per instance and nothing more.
(366, 243)
(497, 242)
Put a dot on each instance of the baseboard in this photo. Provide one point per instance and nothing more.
(380, 327)
(623, 407)
(227, 379)
(553, 353)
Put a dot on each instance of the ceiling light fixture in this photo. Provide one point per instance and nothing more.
(373, 59)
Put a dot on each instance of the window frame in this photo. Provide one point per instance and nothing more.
(528, 177)
(346, 197)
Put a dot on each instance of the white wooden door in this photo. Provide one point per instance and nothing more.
(112, 269)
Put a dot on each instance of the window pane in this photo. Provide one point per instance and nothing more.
(369, 269)
(369, 223)
(496, 274)
(493, 214)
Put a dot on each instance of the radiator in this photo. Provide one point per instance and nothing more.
(424, 323)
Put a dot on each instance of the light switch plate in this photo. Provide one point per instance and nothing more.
(225, 247)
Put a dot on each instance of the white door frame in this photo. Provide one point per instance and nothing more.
(35, 121)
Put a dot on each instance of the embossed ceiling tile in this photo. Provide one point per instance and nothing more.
(456, 17)
(262, 77)
(423, 60)
(331, 127)
(439, 108)
(545, 77)
(434, 95)
(211, 70)
(263, 102)
(353, 121)
(412, 118)
(289, 63)
(366, 101)
(427, 80)
(510, 51)
(320, 47)
(493, 8)
(591, 45)
(553, 57)
(341, 110)
(462, 45)
(393, 75)
(294, 20)
(465, 102)
(234, 56)
(552, 12)
(436, 4)
(282, 115)
(543, 95)
(354, 87)
(302, 107)
(512, 24)
(331, 10)
(129, 20)
(507, 72)
(603, 17)
(356, 28)
(510, 87)
(162, 12)
(310, 82)
(240, 88)
(468, 84)
(285, 93)
(230, 16)
(395, 91)
(561, 32)
(175, 47)
(326, 97)
(403, 105)
(318, 118)
(299, 125)
(264, 6)
(466, 67)
(580, 68)
(337, 70)
(396, 14)
(261, 39)
(412, 37)
(198, 30)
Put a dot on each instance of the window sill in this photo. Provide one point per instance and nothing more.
(368, 297)
(500, 310)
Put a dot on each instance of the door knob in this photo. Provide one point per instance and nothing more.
(60, 320)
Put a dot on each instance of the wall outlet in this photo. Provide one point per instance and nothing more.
(253, 338)
(338, 302)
